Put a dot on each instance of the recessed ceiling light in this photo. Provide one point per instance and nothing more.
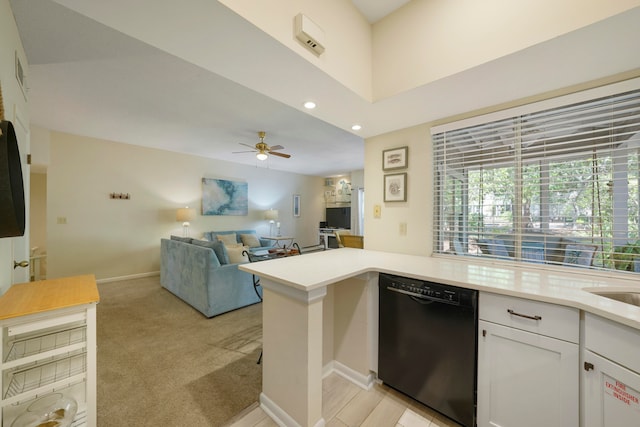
(356, 127)
(310, 105)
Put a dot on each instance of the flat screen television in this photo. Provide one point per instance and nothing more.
(338, 217)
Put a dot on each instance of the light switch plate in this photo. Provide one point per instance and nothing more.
(377, 211)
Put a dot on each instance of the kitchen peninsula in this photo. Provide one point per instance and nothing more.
(320, 314)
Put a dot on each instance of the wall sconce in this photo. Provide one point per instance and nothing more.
(272, 216)
(184, 215)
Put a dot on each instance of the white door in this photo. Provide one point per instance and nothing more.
(20, 245)
(611, 393)
(526, 379)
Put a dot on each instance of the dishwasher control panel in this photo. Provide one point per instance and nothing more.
(422, 289)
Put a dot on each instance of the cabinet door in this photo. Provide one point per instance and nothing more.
(526, 379)
(611, 393)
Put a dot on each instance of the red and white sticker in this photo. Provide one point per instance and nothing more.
(622, 392)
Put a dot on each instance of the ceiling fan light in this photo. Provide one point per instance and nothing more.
(261, 156)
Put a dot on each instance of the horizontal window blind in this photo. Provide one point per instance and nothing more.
(556, 186)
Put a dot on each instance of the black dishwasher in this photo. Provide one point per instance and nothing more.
(427, 344)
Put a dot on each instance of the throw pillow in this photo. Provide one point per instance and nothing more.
(250, 240)
(182, 239)
(218, 248)
(228, 239)
(235, 253)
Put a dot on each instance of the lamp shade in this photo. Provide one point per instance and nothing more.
(185, 214)
(271, 214)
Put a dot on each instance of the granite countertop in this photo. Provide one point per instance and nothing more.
(316, 270)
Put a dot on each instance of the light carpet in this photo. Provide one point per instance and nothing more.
(162, 363)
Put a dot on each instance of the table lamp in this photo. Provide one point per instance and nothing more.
(185, 215)
(272, 216)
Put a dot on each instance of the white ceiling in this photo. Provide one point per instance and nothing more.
(375, 10)
(88, 79)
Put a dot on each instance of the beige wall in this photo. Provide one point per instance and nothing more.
(38, 217)
(120, 238)
(416, 213)
(347, 35)
(427, 40)
(423, 41)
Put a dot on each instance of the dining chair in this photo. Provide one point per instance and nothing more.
(352, 241)
(533, 252)
(578, 254)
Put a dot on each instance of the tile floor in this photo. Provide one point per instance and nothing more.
(345, 404)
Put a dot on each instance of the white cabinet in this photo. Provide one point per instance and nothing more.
(610, 375)
(528, 363)
(48, 342)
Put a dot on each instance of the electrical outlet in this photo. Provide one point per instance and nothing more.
(62, 220)
(377, 211)
(403, 228)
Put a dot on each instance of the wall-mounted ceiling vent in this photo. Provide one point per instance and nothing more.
(309, 34)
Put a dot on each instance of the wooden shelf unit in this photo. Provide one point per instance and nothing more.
(49, 344)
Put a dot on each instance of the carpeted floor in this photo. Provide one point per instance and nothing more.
(162, 363)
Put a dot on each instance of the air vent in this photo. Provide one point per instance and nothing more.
(309, 34)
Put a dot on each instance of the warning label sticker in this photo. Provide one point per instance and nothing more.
(622, 392)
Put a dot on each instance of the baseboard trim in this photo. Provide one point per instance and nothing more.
(365, 382)
(278, 415)
(129, 277)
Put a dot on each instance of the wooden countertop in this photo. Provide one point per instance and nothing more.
(567, 287)
(46, 295)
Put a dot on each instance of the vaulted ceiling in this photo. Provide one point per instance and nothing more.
(88, 79)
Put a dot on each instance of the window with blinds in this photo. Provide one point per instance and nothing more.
(554, 186)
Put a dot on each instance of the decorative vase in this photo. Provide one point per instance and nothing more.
(51, 410)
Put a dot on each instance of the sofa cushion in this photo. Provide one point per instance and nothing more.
(182, 239)
(250, 240)
(228, 239)
(217, 246)
(235, 253)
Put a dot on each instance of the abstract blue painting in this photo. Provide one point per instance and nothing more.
(222, 197)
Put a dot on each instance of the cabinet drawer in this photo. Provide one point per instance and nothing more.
(612, 340)
(542, 318)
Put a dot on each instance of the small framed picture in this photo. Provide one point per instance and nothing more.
(395, 187)
(296, 205)
(396, 158)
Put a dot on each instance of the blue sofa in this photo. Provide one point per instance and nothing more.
(264, 243)
(191, 269)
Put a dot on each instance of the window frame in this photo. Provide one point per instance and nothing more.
(485, 122)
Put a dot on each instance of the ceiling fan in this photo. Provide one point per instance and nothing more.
(263, 149)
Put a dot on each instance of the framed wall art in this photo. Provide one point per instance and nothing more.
(222, 197)
(296, 205)
(396, 158)
(395, 187)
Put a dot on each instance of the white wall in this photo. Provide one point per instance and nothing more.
(120, 238)
(14, 101)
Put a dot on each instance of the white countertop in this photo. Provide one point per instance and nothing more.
(319, 269)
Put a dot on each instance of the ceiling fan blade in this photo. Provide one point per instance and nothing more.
(276, 147)
(275, 153)
(247, 145)
(247, 151)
